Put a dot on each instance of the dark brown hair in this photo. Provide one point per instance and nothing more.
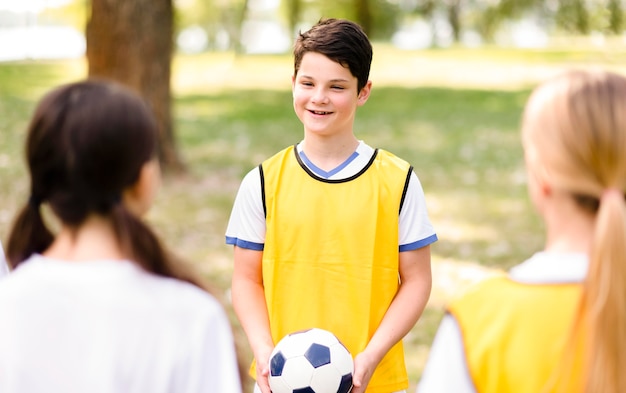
(86, 143)
(340, 40)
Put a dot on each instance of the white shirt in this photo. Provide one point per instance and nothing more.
(246, 227)
(446, 370)
(4, 268)
(109, 327)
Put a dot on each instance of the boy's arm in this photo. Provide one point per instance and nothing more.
(403, 313)
(249, 304)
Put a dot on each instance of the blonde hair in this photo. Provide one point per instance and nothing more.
(574, 126)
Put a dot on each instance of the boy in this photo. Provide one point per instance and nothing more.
(331, 233)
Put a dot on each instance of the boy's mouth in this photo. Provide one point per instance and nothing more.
(320, 112)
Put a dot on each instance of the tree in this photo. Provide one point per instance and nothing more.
(616, 17)
(131, 42)
(294, 11)
(495, 14)
(364, 15)
(454, 18)
(573, 16)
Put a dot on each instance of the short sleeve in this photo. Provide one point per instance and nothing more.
(416, 230)
(246, 226)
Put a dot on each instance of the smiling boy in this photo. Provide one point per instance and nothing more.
(330, 232)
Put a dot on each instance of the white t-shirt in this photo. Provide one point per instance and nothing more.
(446, 370)
(4, 268)
(246, 227)
(108, 327)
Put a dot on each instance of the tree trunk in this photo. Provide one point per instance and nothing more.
(241, 18)
(454, 18)
(573, 16)
(364, 15)
(132, 42)
(293, 11)
(616, 17)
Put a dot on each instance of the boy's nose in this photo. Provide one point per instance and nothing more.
(320, 96)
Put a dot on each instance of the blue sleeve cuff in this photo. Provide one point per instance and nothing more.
(244, 244)
(419, 244)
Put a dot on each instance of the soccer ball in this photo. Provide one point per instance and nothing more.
(311, 361)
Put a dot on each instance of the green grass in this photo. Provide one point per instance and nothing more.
(453, 114)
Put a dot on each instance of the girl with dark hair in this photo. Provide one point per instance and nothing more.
(99, 305)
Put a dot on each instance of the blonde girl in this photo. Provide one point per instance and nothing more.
(557, 322)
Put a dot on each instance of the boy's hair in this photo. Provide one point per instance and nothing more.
(340, 40)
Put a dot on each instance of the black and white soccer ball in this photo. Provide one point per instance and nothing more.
(311, 361)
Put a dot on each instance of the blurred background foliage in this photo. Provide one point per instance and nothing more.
(222, 24)
(450, 81)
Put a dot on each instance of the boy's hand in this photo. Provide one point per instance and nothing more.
(262, 373)
(263, 368)
(364, 367)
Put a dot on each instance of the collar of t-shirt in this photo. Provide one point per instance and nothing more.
(551, 268)
(98, 270)
(350, 167)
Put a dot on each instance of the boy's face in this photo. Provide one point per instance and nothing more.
(325, 95)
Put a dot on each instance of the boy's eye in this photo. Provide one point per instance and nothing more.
(337, 87)
(304, 83)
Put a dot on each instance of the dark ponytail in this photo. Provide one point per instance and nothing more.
(28, 236)
(143, 246)
(87, 142)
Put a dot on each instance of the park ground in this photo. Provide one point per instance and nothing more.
(454, 114)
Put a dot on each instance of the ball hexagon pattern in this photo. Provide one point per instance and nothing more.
(311, 361)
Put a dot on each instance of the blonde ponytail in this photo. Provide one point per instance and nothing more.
(604, 298)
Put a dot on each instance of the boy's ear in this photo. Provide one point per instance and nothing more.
(364, 94)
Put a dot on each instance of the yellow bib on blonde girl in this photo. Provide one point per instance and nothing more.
(509, 347)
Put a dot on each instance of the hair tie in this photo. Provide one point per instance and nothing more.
(34, 201)
(116, 198)
(110, 201)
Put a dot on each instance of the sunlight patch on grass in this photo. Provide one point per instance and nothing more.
(214, 72)
(490, 67)
(453, 277)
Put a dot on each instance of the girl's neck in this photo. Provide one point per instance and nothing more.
(569, 229)
(95, 239)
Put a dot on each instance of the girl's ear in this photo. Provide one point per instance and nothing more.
(139, 196)
(539, 188)
(364, 94)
